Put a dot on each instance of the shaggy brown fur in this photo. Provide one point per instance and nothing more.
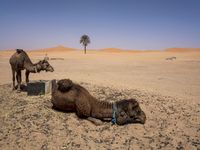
(20, 61)
(68, 96)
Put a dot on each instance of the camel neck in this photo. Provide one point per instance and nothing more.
(103, 109)
(34, 68)
(30, 67)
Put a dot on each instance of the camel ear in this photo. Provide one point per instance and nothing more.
(135, 103)
(44, 60)
(41, 61)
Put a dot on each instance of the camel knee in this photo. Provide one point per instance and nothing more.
(19, 78)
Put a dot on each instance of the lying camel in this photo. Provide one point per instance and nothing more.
(68, 96)
(20, 61)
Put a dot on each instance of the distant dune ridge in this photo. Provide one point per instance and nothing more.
(57, 49)
(167, 50)
(118, 50)
(183, 50)
(111, 50)
(61, 48)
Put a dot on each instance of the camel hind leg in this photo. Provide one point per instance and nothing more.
(27, 76)
(19, 80)
(13, 78)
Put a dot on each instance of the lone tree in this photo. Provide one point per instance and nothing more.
(85, 40)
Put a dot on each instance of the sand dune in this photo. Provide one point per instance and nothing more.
(179, 50)
(56, 49)
(118, 50)
(111, 50)
(61, 48)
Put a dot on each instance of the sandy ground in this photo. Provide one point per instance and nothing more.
(148, 71)
(167, 90)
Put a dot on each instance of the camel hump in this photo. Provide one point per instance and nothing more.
(19, 50)
(64, 85)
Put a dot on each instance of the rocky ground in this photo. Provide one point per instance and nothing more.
(29, 122)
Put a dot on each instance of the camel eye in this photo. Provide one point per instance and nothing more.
(133, 108)
(46, 64)
(138, 111)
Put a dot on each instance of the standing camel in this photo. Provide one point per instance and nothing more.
(20, 61)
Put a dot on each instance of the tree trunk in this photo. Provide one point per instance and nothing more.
(85, 49)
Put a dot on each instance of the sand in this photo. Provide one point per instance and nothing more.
(168, 91)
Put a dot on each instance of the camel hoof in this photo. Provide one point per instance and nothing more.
(18, 91)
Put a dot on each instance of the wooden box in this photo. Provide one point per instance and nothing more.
(40, 87)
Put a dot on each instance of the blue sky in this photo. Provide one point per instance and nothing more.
(127, 24)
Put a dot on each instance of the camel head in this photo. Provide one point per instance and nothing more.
(129, 111)
(44, 65)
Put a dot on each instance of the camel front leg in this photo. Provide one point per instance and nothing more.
(13, 78)
(97, 122)
(27, 76)
(19, 80)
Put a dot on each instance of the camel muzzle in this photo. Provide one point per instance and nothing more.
(50, 69)
(139, 119)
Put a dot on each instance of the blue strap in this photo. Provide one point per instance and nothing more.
(114, 120)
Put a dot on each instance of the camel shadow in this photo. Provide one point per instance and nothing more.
(23, 88)
(59, 110)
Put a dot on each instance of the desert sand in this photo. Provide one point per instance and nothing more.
(168, 91)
